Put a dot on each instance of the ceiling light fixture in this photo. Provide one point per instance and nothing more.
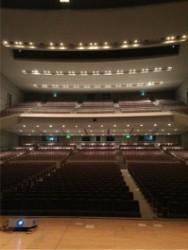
(64, 1)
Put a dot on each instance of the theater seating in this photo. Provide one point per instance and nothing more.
(76, 189)
(165, 186)
(96, 107)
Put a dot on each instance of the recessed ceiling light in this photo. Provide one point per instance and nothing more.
(169, 124)
(50, 126)
(101, 126)
(128, 125)
(89, 126)
(64, 1)
(115, 125)
(141, 125)
(24, 126)
(169, 68)
(155, 125)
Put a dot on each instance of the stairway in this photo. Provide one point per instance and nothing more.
(119, 159)
(117, 108)
(145, 208)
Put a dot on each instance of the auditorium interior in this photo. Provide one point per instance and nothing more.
(94, 124)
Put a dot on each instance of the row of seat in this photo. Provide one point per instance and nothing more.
(71, 207)
(88, 189)
(14, 174)
(165, 186)
(143, 105)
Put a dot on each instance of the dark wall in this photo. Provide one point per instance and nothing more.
(44, 97)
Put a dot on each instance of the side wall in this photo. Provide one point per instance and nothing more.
(184, 140)
(8, 140)
(6, 87)
(182, 92)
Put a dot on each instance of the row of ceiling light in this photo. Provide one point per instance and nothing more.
(89, 125)
(96, 72)
(96, 86)
(93, 45)
(98, 133)
(111, 131)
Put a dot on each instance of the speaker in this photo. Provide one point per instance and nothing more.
(22, 223)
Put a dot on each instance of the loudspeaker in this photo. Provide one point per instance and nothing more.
(22, 223)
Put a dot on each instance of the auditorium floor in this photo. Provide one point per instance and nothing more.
(92, 233)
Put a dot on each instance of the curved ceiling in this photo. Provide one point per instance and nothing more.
(96, 31)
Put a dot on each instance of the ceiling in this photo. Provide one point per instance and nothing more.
(148, 25)
(98, 30)
(82, 125)
(77, 4)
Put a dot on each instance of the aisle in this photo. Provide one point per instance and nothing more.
(145, 208)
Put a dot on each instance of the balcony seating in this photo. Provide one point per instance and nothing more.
(96, 107)
(138, 106)
(172, 105)
(124, 106)
(55, 107)
(19, 109)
